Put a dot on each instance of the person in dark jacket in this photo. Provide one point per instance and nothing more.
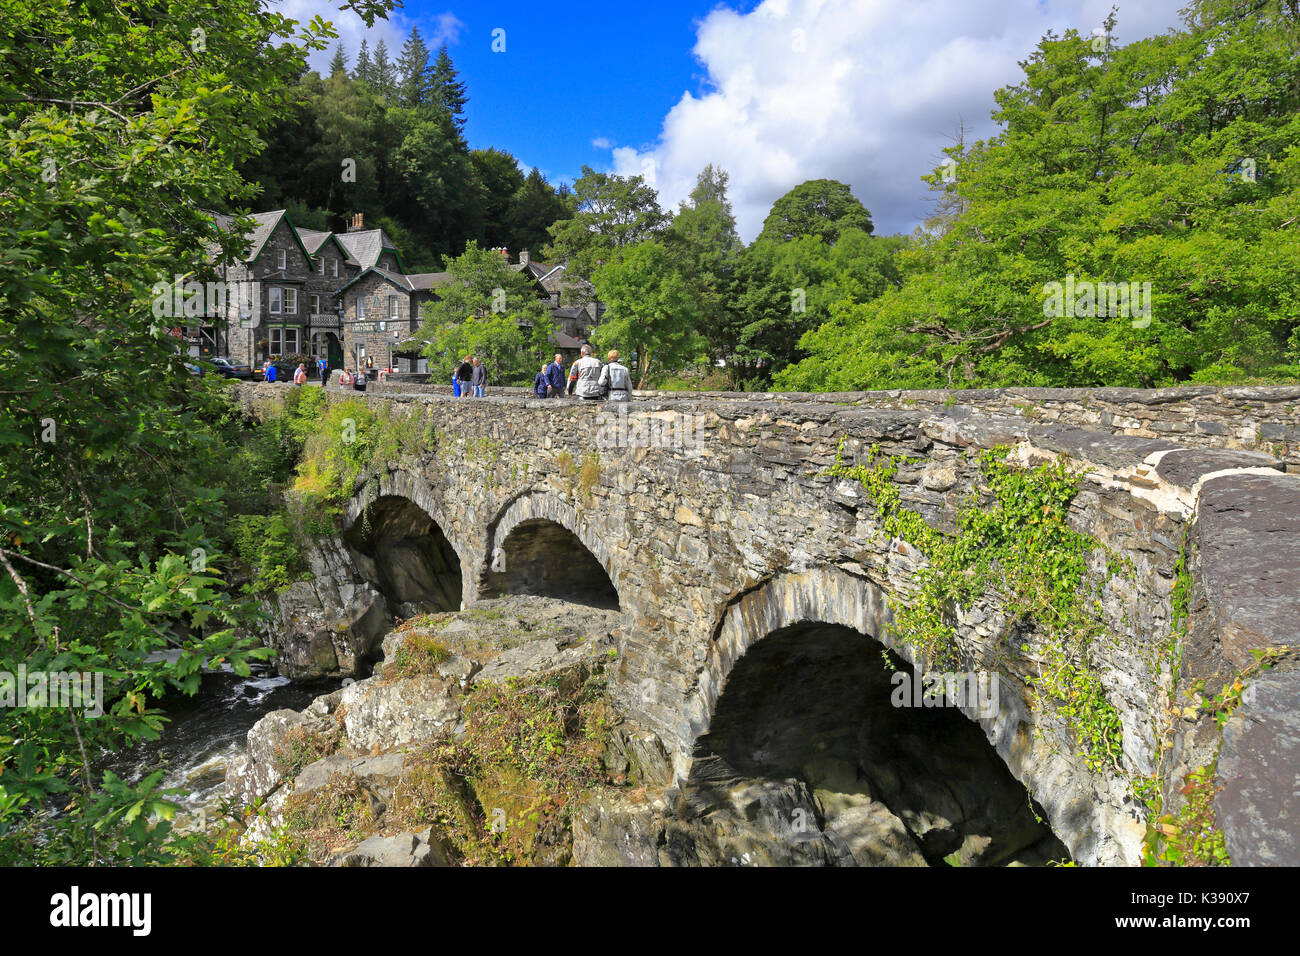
(359, 380)
(555, 377)
(465, 376)
(541, 383)
(479, 378)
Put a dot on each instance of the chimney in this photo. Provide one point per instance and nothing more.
(523, 257)
(357, 223)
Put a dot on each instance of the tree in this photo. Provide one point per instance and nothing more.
(113, 487)
(651, 312)
(339, 64)
(363, 72)
(612, 213)
(383, 73)
(500, 182)
(448, 91)
(705, 244)
(488, 310)
(436, 176)
(819, 207)
(536, 207)
(1168, 166)
(414, 80)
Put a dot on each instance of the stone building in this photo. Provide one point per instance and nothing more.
(347, 297)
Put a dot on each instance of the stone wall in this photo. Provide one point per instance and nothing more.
(731, 531)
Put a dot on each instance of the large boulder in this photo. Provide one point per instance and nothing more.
(332, 624)
(381, 714)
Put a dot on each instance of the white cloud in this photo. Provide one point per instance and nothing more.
(863, 91)
(435, 29)
(600, 142)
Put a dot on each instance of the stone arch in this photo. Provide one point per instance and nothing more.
(540, 544)
(830, 597)
(401, 507)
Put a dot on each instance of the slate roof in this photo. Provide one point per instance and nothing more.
(367, 245)
(264, 224)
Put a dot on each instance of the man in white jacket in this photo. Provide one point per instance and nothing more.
(584, 377)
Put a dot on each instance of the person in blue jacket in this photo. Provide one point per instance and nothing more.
(541, 382)
(270, 371)
(555, 377)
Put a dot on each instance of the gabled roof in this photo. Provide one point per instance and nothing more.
(264, 224)
(367, 245)
(314, 240)
(424, 281)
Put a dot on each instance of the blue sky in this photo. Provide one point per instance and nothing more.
(776, 92)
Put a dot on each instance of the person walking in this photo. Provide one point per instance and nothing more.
(300, 374)
(465, 376)
(584, 377)
(541, 383)
(555, 377)
(269, 372)
(479, 378)
(322, 369)
(615, 379)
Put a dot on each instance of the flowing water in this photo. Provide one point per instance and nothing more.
(209, 731)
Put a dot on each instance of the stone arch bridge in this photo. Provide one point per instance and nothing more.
(710, 523)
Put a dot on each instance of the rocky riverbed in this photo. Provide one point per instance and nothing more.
(484, 736)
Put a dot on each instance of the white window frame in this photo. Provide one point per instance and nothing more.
(282, 259)
(315, 303)
(334, 263)
(290, 301)
(320, 264)
(393, 300)
(361, 308)
(287, 331)
(274, 299)
(275, 341)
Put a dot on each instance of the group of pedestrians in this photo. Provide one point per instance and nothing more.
(589, 378)
(469, 378)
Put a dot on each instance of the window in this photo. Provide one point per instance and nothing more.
(320, 264)
(315, 304)
(335, 264)
(361, 309)
(276, 341)
(290, 301)
(290, 341)
(282, 259)
(392, 307)
(275, 296)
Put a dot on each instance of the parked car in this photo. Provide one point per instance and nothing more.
(230, 369)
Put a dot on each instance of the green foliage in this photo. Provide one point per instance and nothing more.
(489, 311)
(1190, 837)
(1020, 547)
(651, 311)
(1172, 160)
(268, 549)
(115, 479)
(823, 208)
(611, 213)
(791, 288)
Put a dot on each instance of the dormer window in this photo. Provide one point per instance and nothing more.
(282, 259)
